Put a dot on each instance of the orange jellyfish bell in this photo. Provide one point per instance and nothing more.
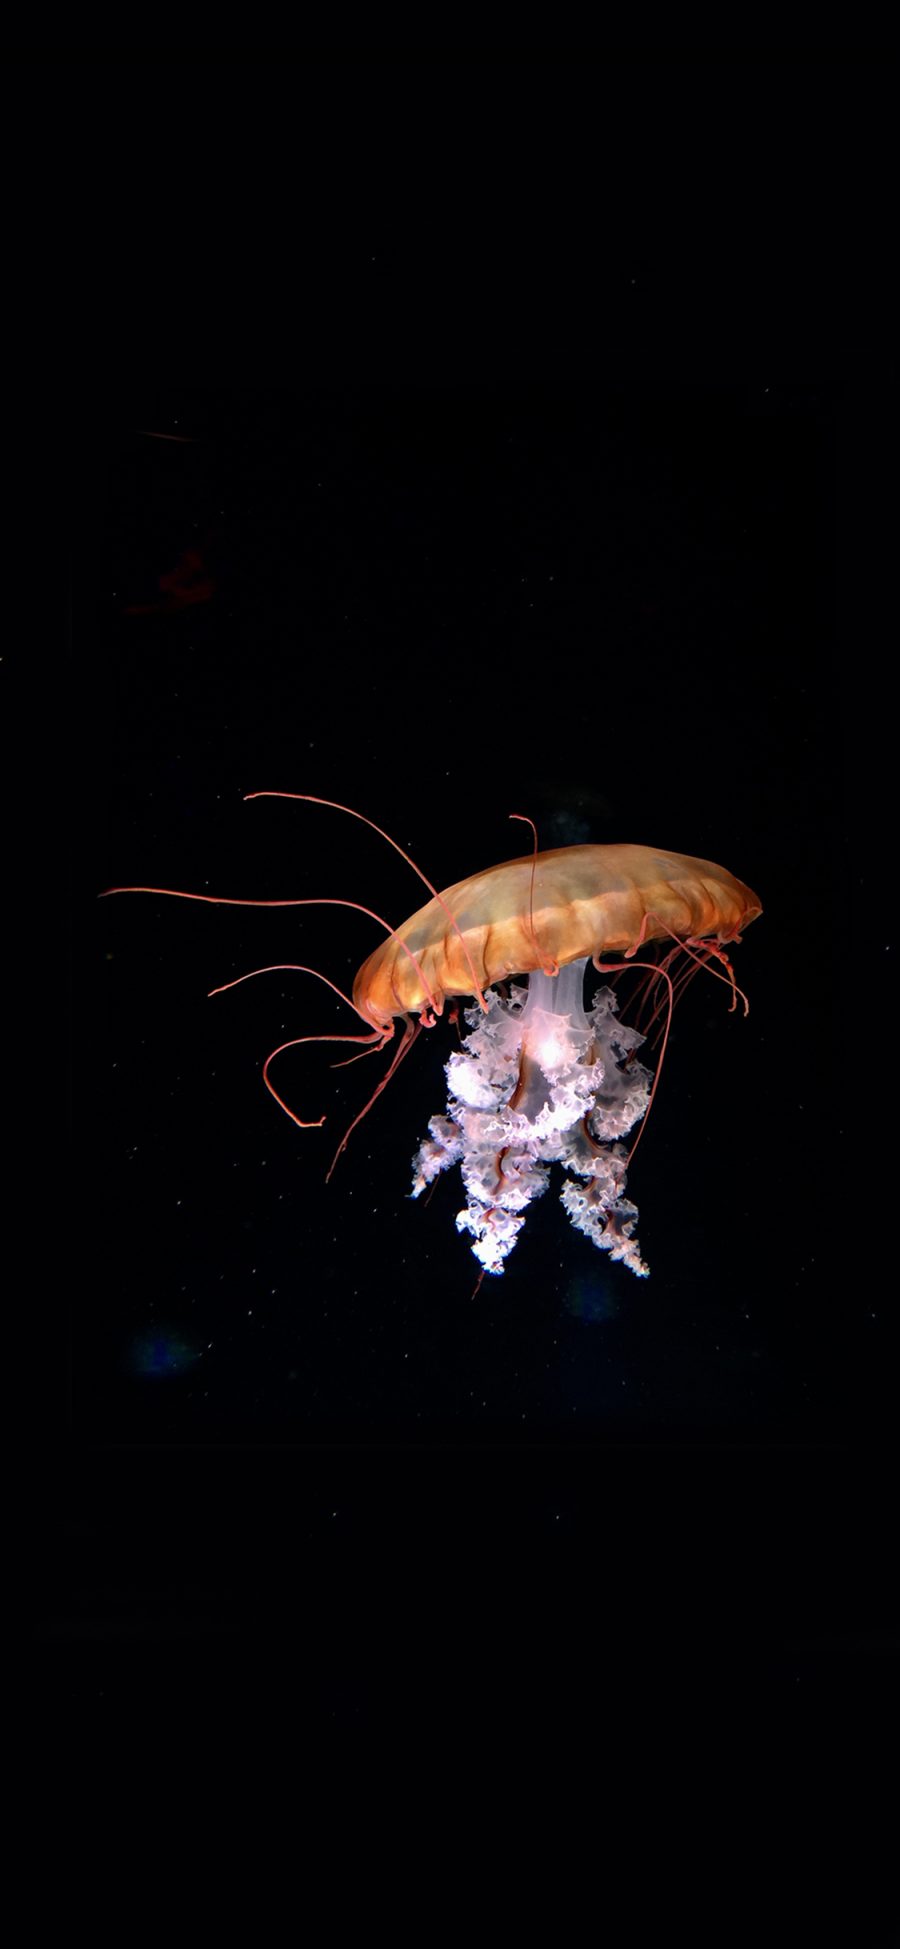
(543, 911)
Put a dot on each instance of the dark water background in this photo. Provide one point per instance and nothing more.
(633, 598)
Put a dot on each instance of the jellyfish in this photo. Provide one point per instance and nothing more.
(540, 1078)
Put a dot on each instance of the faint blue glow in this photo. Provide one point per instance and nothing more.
(161, 1354)
(590, 1298)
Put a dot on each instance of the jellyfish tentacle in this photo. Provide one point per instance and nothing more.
(312, 1123)
(548, 965)
(610, 967)
(321, 900)
(310, 798)
(285, 967)
(411, 1030)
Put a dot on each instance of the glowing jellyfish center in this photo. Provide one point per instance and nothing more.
(541, 1081)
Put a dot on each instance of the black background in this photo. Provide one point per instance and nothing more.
(570, 503)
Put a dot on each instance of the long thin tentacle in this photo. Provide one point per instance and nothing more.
(325, 900)
(309, 798)
(309, 1123)
(612, 967)
(548, 966)
(411, 1030)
